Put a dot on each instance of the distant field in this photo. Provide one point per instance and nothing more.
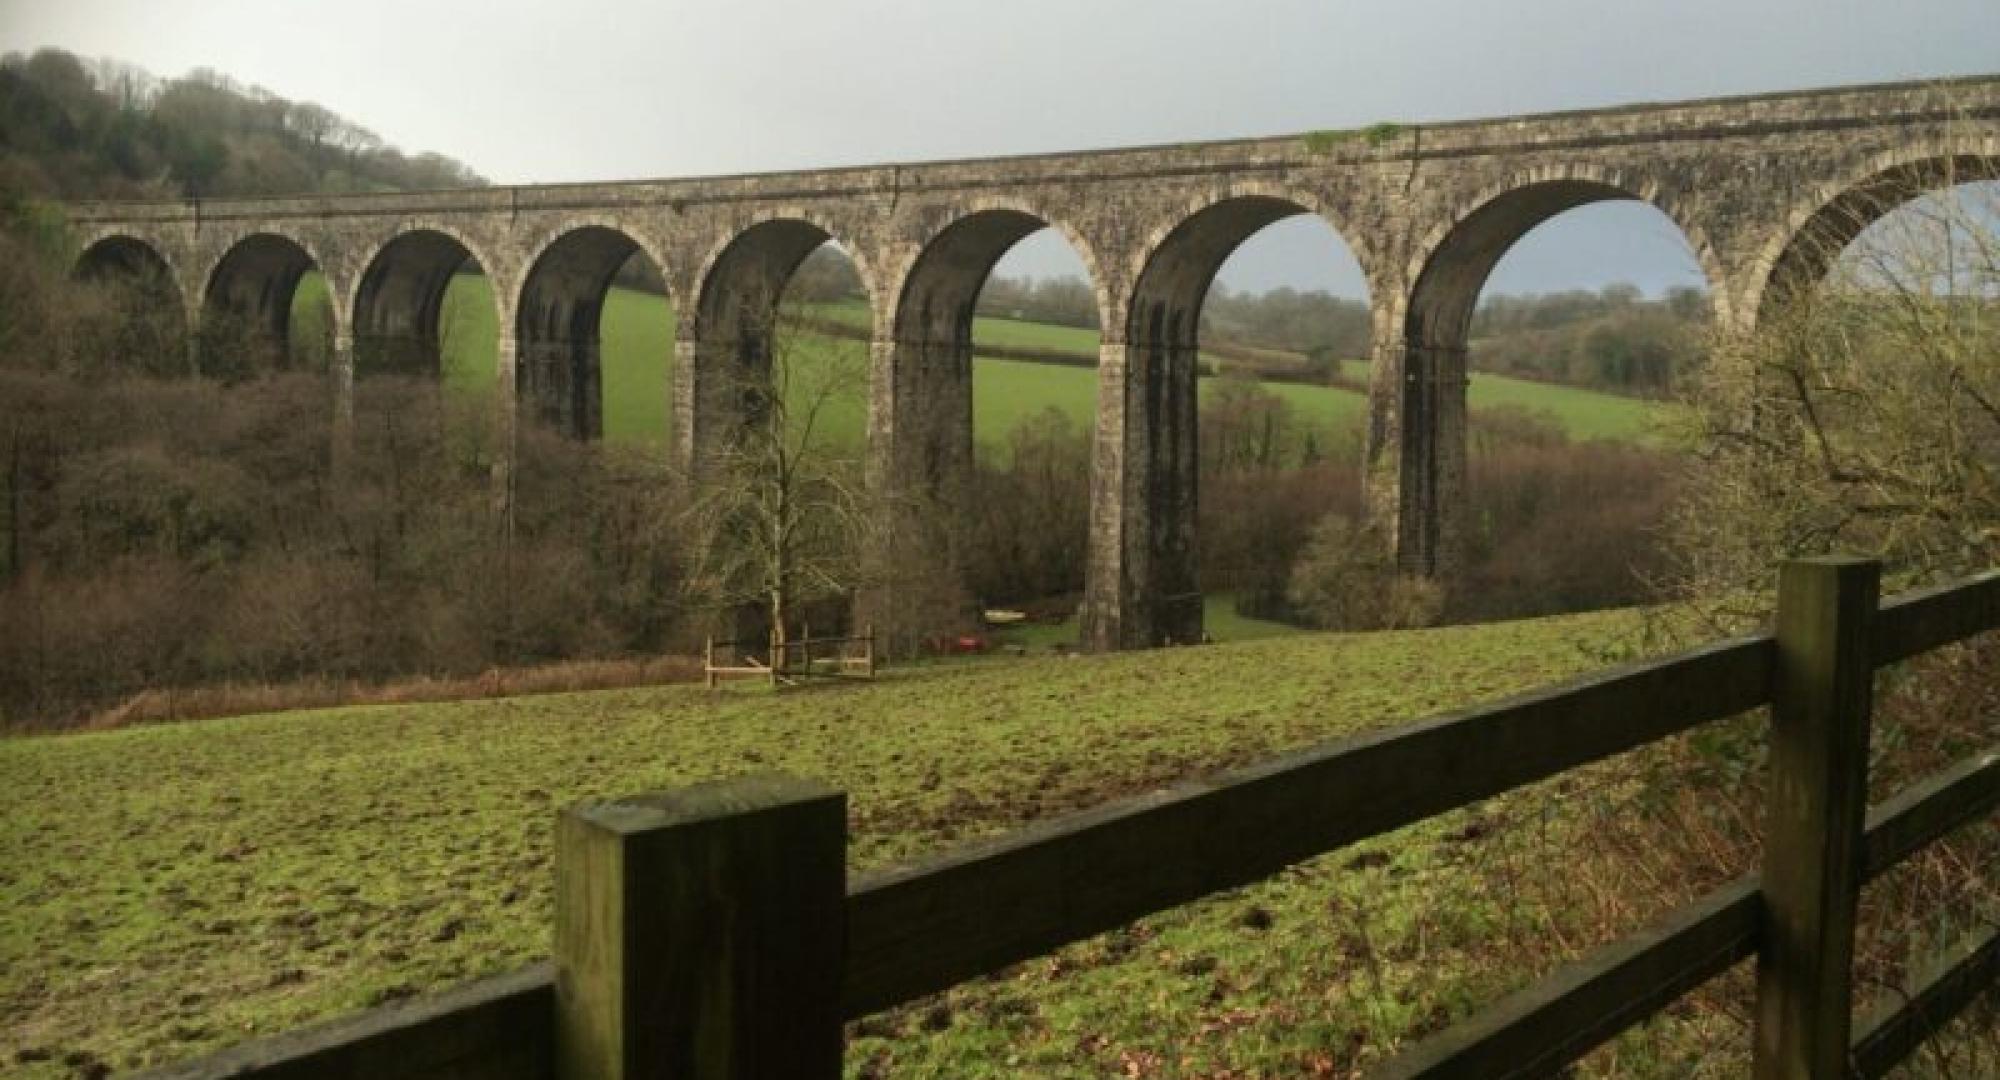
(1585, 414)
(173, 889)
(988, 330)
(638, 352)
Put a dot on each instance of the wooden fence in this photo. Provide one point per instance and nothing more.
(711, 932)
(798, 659)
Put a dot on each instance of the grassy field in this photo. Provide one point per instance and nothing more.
(1585, 414)
(989, 330)
(638, 352)
(1218, 619)
(170, 890)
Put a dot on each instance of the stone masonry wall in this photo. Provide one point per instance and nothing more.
(1425, 208)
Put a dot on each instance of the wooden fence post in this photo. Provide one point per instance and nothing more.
(778, 653)
(700, 933)
(1814, 812)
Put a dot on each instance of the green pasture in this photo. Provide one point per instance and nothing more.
(989, 330)
(1584, 414)
(638, 352)
(175, 889)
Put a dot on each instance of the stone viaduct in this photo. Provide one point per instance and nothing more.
(1762, 187)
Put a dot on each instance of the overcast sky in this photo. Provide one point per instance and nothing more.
(527, 90)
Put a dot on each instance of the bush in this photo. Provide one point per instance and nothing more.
(1346, 579)
(1555, 527)
(1027, 517)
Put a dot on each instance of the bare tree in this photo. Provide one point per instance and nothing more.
(1863, 415)
(783, 519)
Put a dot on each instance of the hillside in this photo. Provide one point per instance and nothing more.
(77, 129)
(252, 874)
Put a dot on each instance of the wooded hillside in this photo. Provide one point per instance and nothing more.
(72, 128)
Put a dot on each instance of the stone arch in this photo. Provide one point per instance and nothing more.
(112, 252)
(374, 247)
(1428, 396)
(958, 256)
(729, 324)
(251, 285)
(558, 309)
(1142, 587)
(115, 255)
(1822, 225)
(1449, 268)
(398, 300)
(156, 343)
(761, 245)
(925, 411)
(1173, 270)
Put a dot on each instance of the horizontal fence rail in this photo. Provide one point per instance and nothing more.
(792, 659)
(1893, 1035)
(1552, 1023)
(501, 1028)
(916, 930)
(1538, 1030)
(1918, 622)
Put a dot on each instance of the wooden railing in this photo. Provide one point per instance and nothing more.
(799, 658)
(711, 932)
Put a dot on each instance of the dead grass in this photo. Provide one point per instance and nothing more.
(244, 699)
